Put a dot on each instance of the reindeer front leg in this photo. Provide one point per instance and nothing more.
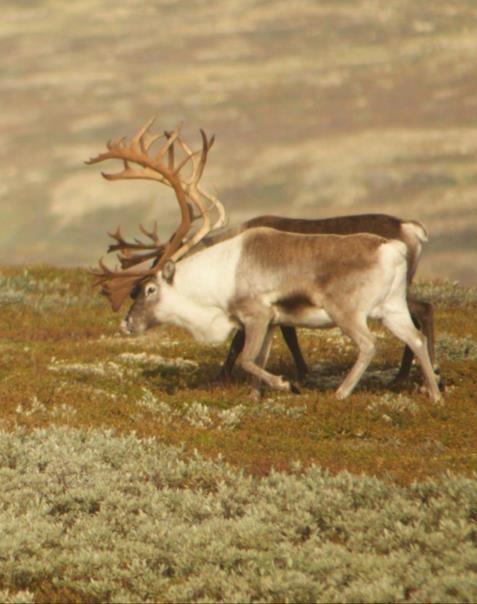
(258, 334)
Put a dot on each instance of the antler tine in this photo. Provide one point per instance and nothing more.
(126, 246)
(137, 152)
(169, 142)
(170, 153)
(185, 161)
(144, 139)
(134, 259)
(196, 192)
(189, 155)
(121, 242)
(117, 234)
(197, 175)
(117, 285)
(111, 144)
(171, 164)
(217, 205)
(137, 139)
(206, 146)
(154, 235)
(105, 272)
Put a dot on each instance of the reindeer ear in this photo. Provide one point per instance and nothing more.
(168, 271)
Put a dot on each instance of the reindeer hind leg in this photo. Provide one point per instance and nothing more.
(236, 347)
(399, 322)
(290, 337)
(422, 313)
(358, 331)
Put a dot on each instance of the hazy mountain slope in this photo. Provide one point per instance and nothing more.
(319, 108)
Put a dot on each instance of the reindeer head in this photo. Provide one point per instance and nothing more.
(117, 285)
(145, 311)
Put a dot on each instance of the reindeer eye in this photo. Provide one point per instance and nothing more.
(150, 289)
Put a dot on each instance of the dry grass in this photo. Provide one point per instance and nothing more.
(63, 363)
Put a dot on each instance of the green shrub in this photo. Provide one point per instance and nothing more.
(128, 519)
(445, 293)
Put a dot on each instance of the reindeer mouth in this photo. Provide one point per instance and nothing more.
(125, 328)
(131, 328)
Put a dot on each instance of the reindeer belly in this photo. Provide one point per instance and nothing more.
(317, 317)
(300, 311)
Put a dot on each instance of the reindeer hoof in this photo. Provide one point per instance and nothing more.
(302, 375)
(441, 382)
(341, 394)
(399, 380)
(294, 388)
(223, 378)
(435, 397)
(255, 395)
(283, 385)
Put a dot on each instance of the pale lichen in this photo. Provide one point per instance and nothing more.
(129, 519)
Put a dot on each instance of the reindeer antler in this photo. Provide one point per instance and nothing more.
(127, 258)
(195, 192)
(118, 284)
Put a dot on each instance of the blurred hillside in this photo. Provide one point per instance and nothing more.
(319, 108)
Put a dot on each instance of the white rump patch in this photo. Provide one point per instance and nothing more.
(416, 229)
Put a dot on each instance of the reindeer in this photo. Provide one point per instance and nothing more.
(257, 278)
(411, 232)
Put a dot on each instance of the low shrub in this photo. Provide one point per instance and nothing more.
(119, 518)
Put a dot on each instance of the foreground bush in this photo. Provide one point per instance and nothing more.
(91, 516)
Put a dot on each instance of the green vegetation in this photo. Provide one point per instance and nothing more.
(93, 517)
(126, 473)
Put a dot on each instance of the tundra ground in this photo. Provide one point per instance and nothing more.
(93, 425)
(63, 362)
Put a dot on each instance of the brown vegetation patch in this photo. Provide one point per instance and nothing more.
(68, 366)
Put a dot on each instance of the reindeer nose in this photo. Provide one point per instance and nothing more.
(124, 327)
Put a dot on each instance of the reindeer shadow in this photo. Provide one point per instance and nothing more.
(173, 379)
(327, 376)
(323, 377)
